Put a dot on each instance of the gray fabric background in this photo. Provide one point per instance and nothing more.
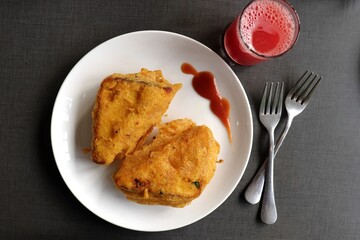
(317, 172)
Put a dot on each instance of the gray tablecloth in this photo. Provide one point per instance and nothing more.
(317, 172)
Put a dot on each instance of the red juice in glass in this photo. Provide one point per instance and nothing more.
(265, 29)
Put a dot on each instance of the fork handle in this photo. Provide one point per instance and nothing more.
(255, 188)
(268, 208)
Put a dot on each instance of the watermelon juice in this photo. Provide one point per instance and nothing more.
(264, 30)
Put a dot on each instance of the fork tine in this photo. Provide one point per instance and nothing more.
(279, 110)
(303, 86)
(305, 98)
(297, 85)
(270, 98)
(263, 100)
(274, 108)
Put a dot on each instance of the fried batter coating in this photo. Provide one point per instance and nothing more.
(172, 170)
(127, 108)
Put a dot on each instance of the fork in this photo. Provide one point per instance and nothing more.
(270, 114)
(295, 102)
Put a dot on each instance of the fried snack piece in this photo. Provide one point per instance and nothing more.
(126, 109)
(172, 170)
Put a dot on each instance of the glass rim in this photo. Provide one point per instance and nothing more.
(297, 22)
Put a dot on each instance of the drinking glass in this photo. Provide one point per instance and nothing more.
(264, 30)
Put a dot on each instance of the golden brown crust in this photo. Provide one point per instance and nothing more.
(127, 107)
(174, 169)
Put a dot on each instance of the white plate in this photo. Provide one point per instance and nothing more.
(71, 126)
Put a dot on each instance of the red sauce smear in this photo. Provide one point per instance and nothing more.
(205, 85)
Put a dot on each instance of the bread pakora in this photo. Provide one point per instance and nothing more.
(126, 109)
(172, 170)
